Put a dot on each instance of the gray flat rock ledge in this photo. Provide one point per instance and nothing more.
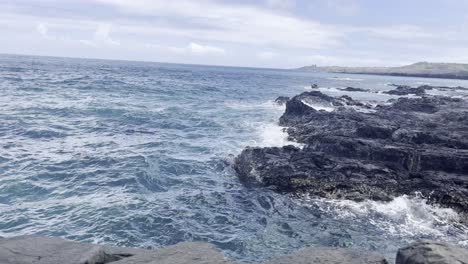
(330, 256)
(48, 250)
(430, 252)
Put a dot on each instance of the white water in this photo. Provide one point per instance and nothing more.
(405, 216)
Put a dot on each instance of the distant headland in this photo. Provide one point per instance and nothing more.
(419, 69)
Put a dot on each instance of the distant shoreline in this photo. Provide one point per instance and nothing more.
(432, 76)
(456, 71)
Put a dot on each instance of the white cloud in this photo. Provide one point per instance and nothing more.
(197, 49)
(266, 55)
(204, 49)
(344, 7)
(399, 32)
(153, 46)
(185, 30)
(88, 42)
(101, 37)
(239, 24)
(281, 4)
(42, 29)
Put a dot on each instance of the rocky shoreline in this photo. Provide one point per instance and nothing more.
(353, 150)
(49, 250)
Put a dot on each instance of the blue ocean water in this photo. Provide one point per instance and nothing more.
(137, 154)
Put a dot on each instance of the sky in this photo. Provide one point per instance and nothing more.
(255, 33)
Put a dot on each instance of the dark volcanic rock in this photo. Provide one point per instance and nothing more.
(354, 152)
(406, 90)
(352, 89)
(427, 252)
(281, 100)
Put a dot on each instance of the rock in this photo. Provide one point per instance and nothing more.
(405, 146)
(34, 249)
(330, 256)
(182, 253)
(281, 100)
(300, 107)
(406, 90)
(48, 250)
(314, 86)
(427, 252)
(352, 89)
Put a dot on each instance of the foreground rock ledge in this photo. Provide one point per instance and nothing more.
(356, 151)
(48, 250)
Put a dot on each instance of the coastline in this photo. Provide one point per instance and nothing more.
(455, 71)
(431, 76)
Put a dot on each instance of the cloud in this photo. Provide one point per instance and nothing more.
(197, 49)
(42, 29)
(204, 49)
(187, 31)
(281, 4)
(344, 7)
(241, 24)
(101, 37)
(399, 32)
(266, 55)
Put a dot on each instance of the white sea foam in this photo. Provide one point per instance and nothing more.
(270, 105)
(319, 107)
(273, 135)
(345, 79)
(268, 132)
(403, 216)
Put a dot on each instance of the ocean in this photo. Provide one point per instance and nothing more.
(138, 154)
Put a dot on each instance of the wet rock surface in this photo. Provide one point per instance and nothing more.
(281, 100)
(431, 252)
(406, 90)
(353, 89)
(355, 151)
(420, 90)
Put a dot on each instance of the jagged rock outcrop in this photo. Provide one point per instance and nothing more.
(421, 90)
(356, 152)
(428, 252)
(353, 89)
(281, 100)
(406, 90)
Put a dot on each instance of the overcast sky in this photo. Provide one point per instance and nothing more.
(261, 33)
